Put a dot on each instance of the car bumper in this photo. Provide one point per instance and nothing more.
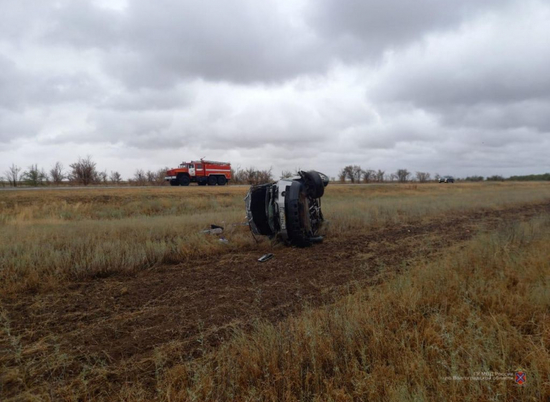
(168, 178)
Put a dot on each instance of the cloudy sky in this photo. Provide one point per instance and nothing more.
(456, 87)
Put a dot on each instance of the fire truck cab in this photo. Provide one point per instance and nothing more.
(202, 172)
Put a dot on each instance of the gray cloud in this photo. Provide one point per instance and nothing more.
(82, 24)
(20, 89)
(23, 19)
(17, 125)
(10, 80)
(155, 45)
(244, 41)
(149, 99)
(247, 41)
(479, 76)
(530, 114)
(366, 29)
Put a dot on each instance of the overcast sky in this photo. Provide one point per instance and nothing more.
(456, 87)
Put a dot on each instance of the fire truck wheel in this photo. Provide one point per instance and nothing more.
(174, 183)
(184, 180)
(222, 180)
(212, 180)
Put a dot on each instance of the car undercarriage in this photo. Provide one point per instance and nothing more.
(289, 209)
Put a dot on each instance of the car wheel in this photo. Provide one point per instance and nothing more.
(297, 217)
(314, 184)
(212, 180)
(174, 183)
(222, 180)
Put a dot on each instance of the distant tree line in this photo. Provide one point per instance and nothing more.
(474, 178)
(149, 177)
(355, 174)
(251, 176)
(83, 172)
(532, 177)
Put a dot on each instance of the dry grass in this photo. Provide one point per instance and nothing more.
(485, 308)
(359, 207)
(47, 237)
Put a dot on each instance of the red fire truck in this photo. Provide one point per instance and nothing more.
(202, 172)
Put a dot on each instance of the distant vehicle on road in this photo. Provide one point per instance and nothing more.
(202, 172)
(446, 179)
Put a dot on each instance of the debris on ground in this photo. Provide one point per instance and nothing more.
(265, 257)
(214, 229)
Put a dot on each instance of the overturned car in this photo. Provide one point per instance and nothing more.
(289, 209)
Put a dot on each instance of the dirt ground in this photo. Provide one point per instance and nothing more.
(123, 318)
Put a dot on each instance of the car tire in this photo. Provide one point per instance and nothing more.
(222, 180)
(184, 180)
(212, 180)
(297, 216)
(314, 184)
(174, 183)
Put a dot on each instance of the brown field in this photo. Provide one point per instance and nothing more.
(114, 294)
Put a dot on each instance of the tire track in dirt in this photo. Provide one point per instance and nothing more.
(124, 318)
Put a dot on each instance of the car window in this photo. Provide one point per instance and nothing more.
(199, 166)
